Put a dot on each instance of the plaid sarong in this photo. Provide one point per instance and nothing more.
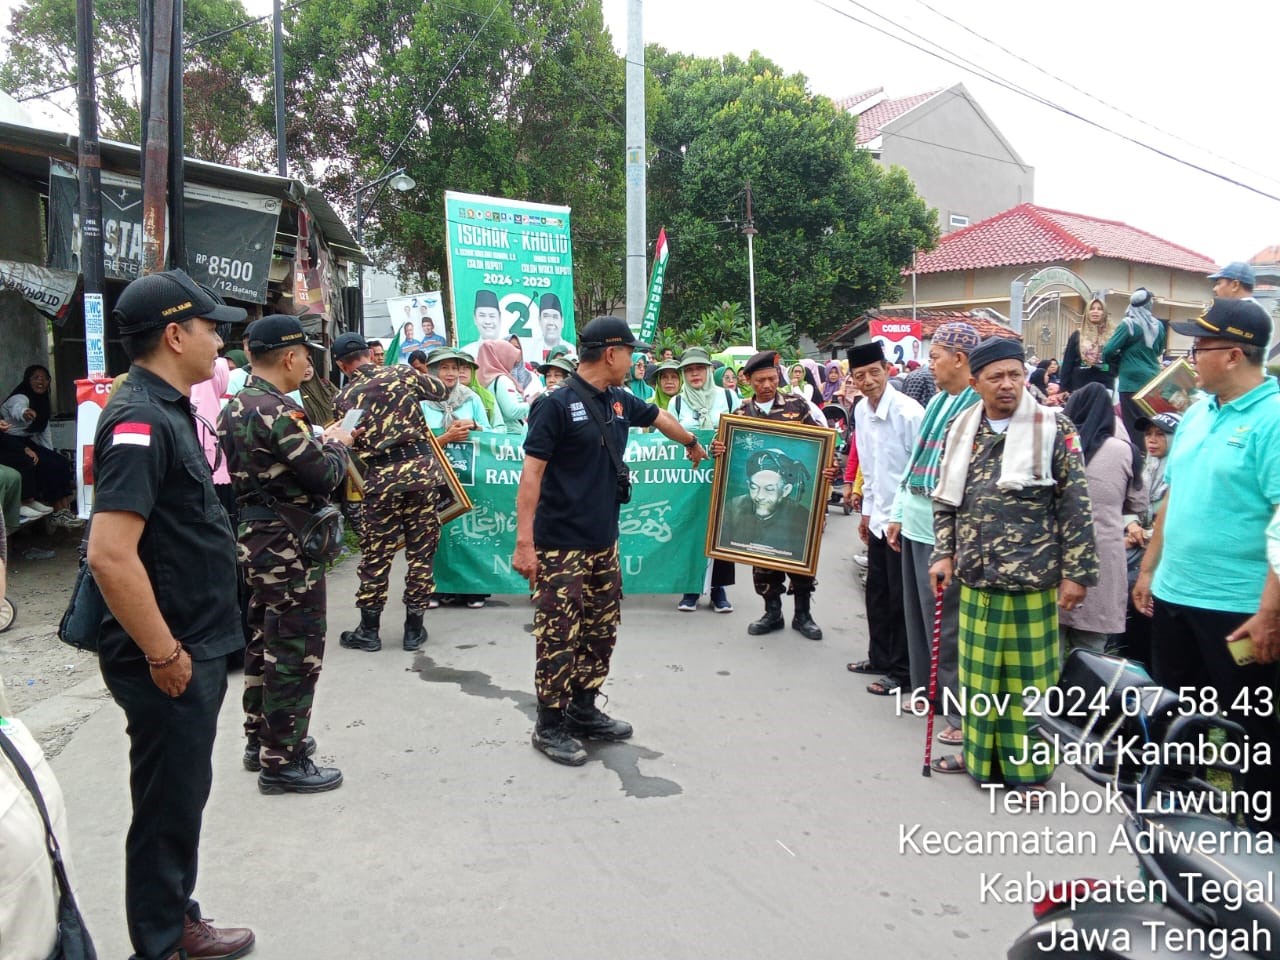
(1008, 642)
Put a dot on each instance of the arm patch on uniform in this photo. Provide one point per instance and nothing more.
(132, 434)
(1072, 440)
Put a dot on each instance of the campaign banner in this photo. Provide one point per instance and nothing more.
(418, 320)
(902, 339)
(230, 234)
(661, 530)
(510, 273)
(649, 325)
(49, 291)
(92, 395)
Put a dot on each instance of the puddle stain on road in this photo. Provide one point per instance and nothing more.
(621, 758)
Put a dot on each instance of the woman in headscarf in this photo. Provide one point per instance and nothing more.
(798, 383)
(1082, 359)
(1039, 381)
(831, 382)
(699, 406)
(48, 478)
(494, 360)
(523, 373)
(636, 382)
(1113, 468)
(665, 377)
(727, 377)
(1135, 350)
(453, 418)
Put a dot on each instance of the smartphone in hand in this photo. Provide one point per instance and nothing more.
(352, 419)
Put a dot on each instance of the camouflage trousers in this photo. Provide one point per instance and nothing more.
(286, 647)
(773, 583)
(577, 600)
(393, 520)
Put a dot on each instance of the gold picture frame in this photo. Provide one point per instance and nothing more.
(1172, 390)
(775, 522)
(458, 502)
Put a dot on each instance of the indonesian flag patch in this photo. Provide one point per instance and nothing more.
(135, 434)
(1073, 442)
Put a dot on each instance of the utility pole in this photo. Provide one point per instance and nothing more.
(750, 231)
(637, 231)
(177, 147)
(89, 168)
(277, 30)
(155, 150)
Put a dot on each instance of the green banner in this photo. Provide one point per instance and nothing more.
(649, 325)
(662, 529)
(510, 273)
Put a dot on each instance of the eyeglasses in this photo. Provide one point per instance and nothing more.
(1199, 350)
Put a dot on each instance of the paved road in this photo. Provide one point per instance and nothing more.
(755, 814)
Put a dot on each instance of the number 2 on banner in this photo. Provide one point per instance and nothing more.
(520, 328)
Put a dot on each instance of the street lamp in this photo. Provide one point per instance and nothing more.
(398, 180)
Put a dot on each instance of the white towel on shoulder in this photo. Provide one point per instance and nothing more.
(1027, 460)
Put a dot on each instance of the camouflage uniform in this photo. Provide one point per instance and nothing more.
(787, 408)
(1011, 551)
(577, 609)
(265, 434)
(402, 482)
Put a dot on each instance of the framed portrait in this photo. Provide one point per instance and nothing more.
(456, 502)
(768, 495)
(1172, 390)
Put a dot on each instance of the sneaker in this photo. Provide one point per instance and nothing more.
(26, 513)
(688, 603)
(300, 776)
(476, 603)
(65, 519)
(41, 509)
(860, 559)
(433, 603)
(719, 601)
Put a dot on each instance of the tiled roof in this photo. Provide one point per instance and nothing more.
(849, 102)
(930, 320)
(1266, 256)
(873, 119)
(1028, 234)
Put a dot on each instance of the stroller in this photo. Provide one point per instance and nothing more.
(838, 420)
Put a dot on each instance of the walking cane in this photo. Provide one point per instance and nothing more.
(927, 770)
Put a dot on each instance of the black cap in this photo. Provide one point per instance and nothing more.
(763, 360)
(865, 354)
(159, 299)
(1244, 321)
(348, 344)
(1168, 422)
(277, 330)
(609, 332)
(992, 349)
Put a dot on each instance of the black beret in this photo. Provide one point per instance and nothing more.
(761, 361)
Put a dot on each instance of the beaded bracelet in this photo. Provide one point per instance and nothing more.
(161, 664)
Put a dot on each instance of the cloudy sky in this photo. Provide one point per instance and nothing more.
(1205, 82)
(1201, 79)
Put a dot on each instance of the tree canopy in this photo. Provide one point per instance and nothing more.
(835, 228)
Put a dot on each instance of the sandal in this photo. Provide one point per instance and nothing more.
(952, 737)
(862, 666)
(884, 687)
(954, 763)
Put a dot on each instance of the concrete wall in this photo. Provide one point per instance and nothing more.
(24, 339)
(957, 160)
(22, 238)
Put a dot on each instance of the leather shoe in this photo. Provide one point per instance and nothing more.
(300, 776)
(202, 941)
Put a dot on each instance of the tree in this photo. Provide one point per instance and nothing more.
(226, 111)
(529, 113)
(835, 229)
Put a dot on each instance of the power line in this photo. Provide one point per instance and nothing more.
(947, 57)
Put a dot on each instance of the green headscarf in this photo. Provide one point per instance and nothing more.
(637, 384)
(660, 398)
(718, 376)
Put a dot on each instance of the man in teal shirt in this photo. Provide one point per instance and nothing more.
(1209, 576)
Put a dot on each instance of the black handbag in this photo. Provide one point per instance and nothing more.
(319, 532)
(81, 622)
(623, 490)
(74, 942)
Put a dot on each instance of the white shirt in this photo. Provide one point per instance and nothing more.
(885, 438)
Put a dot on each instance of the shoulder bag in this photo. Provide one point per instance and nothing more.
(624, 475)
(81, 622)
(74, 942)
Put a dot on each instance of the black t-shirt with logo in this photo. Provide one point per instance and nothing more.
(578, 508)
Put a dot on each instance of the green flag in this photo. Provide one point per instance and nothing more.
(649, 325)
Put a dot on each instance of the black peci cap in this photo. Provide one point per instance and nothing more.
(277, 330)
(159, 299)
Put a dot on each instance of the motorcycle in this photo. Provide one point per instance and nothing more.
(1205, 885)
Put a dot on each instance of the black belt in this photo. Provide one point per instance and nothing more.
(399, 454)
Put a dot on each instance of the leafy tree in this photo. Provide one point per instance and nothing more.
(531, 112)
(779, 337)
(227, 112)
(835, 229)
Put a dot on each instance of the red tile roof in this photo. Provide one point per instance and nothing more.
(1028, 234)
(1266, 256)
(872, 120)
(930, 320)
(849, 102)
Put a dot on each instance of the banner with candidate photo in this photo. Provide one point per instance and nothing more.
(510, 273)
(418, 320)
(660, 544)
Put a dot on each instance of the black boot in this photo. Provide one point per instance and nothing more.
(551, 737)
(365, 636)
(772, 619)
(415, 634)
(803, 621)
(582, 718)
(300, 776)
(306, 748)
